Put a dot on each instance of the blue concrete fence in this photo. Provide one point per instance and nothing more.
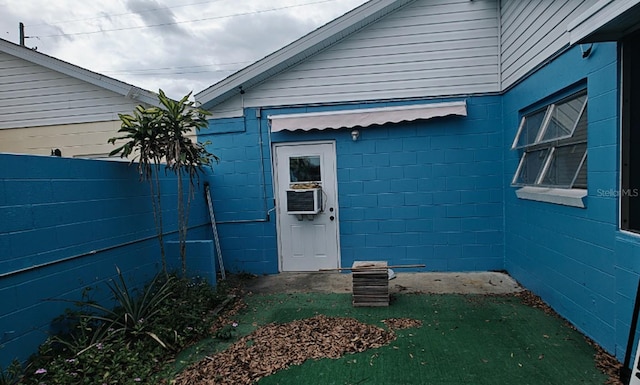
(65, 224)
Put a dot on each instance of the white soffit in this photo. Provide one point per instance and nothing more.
(607, 20)
(364, 117)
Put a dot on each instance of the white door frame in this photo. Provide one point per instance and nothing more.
(279, 212)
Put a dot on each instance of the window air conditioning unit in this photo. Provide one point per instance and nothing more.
(304, 201)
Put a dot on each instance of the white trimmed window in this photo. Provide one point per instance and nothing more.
(553, 146)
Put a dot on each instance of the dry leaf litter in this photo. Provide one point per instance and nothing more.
(277, 346)
(607, 363)
(233, 366)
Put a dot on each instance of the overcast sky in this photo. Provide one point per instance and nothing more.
(177, 45)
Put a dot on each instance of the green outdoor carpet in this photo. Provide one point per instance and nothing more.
(464, 339)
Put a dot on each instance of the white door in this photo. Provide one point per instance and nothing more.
(307, 242)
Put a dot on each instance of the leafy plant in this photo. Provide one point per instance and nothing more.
(84, 332)
(227, 332)
(178, 120)
(145, 142)
(12, 374)
(133, 313)
(110, 362)
(158, 134)
(117, 346)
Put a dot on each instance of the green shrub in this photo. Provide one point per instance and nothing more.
(134, 314)
(11, 374)
(115, 361)
(131, 343)
(227, 332)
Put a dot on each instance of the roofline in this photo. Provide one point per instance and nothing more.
(103, 81)
(297, 51)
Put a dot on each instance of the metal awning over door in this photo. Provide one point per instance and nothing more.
(364, 117)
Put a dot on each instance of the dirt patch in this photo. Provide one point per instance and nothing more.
(277, 346)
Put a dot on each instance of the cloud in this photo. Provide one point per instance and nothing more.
(160, 44)
(157, 16)
(249, 38)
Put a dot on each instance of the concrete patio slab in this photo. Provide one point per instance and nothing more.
(439, 283)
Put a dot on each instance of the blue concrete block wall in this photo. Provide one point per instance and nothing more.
(438, 192)
(200, 259)
(418, 192)
(65, 224)
(575, 259)
(424, 192)
(242, 193)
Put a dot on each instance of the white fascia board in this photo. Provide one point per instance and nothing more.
(559, 196)
(596, 17)
(297, 51)
(102, 81)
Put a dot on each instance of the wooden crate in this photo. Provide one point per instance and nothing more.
(370, 283)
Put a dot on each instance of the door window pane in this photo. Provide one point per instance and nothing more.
(305, 169)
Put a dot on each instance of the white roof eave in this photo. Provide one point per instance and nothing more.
(103, 81)
(598, 17)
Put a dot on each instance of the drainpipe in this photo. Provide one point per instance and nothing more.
(267, 216)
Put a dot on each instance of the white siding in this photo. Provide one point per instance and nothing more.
(33, 95)
(230, 108)
(533, 31)
(428, 48)
(82, 140)
(72, 139)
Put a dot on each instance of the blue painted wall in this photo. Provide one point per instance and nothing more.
(434, 192)
(65, 224)
(242, 193)
(576, 259)
(438, 192)
(415, 192)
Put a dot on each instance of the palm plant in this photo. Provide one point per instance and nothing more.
(184, 156)
(158, 134)
(144, 141)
